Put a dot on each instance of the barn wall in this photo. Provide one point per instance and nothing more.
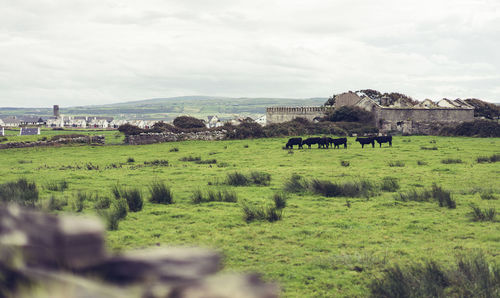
(419, 121)
(284, 114)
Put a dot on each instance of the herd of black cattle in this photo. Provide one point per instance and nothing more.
(326, 142)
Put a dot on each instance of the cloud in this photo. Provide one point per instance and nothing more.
(103, 51)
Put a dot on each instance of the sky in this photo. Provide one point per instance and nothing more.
(87, 52)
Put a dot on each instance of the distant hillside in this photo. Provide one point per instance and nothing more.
(168, 108)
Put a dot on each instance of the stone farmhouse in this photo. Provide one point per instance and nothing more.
(401, 115)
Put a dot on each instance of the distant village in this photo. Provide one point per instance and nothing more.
(31, 124)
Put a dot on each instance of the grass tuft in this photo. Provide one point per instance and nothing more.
(130, 159)
(482, 215)
(451, 161)
(492, 158)
(344, 163)
(260, 178)
(57, 185)
(22, 192)
(279, 200)
(237, 179)
(397, 163)
(160, 193)
(389, 184)
(471, 276)
(295, 184)
(264, 213)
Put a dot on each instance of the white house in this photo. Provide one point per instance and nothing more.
(1, 122)
(2, 132)
(213, 121)
(11, 121)
(261, 120)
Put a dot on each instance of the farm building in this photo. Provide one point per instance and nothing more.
(401, 114)
(25, 131)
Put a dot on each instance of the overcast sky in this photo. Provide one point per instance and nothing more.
(79, 52)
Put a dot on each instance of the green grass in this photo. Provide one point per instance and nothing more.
(321, 246)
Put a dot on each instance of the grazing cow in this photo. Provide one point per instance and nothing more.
(324, 142)
(311, 141)
(294, 141)
(339, 141)
(366, 141)
(384, 139)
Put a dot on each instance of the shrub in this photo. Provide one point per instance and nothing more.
(134, 199)
(295, 184)
(260, 178)
(160, 193)
(102, 202)
(349, 114)
(471, 276)
(279, 200)
(130, 159)
(246, 130)
(482, 215)
(114, 215)
(428, 148)
(175, 149)
(479, 128)
(451, 160)
(129, 129)
(188, 122)
(57, 185)
(117, 191)
(397, 163)
(237, 179)
(344, 163)
(389, 184)
(22, 192)
(421, 163)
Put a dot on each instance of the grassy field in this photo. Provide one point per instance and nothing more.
(113, 137)
(322, 246)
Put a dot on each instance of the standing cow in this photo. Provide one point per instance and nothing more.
(294, 141)
(312, 141)
(339, 141)
(366, 141)
(384, 139)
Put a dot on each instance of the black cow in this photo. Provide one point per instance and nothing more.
(366, 141)
(339, 141)
(325, 142)
(294, 141)
(312, 141)
(384, 139)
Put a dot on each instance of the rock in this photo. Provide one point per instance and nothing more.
(50, 241)
(168, 265)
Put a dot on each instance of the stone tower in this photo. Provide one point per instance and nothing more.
(56, 110)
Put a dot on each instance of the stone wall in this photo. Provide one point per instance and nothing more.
(284, 114)
(65, 256)
(94, 140)
(151, 138)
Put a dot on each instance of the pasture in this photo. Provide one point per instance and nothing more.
(322, 246)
